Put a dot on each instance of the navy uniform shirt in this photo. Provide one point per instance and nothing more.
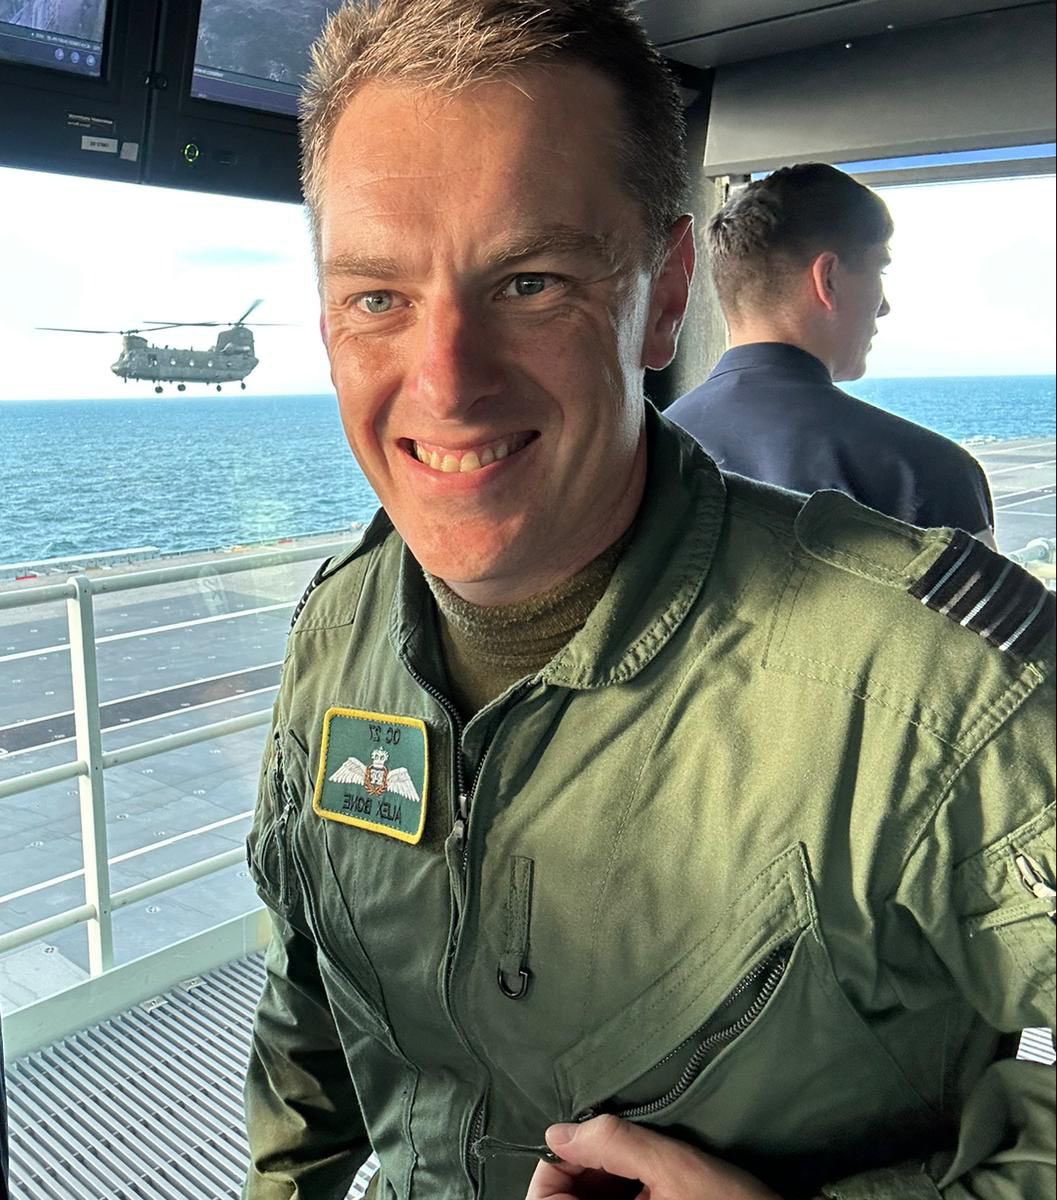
(771, 411)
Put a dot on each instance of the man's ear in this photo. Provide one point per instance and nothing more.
(824, 268)
(323, 327)
(671, 291)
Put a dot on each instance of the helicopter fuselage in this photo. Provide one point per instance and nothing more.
(230, 360)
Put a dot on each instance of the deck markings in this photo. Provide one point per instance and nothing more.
(59, 727)
(129, 854)
(173, 712)
(1035, 466)
(1027, 496)
(1007, 448)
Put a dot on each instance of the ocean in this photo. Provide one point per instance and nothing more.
(193, 473)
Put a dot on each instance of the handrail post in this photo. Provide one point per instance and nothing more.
(87, 726)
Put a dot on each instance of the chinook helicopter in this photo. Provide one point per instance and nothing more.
(229, 360)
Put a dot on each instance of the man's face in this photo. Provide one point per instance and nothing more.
(488, 311)
(861, 305)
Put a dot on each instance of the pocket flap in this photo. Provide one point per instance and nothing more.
(775, 907)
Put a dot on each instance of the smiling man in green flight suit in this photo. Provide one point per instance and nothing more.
(700, 830)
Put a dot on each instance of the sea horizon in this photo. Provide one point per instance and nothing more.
(211, 471)
(208, 394)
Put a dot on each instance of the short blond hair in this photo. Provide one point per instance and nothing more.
(447, 45)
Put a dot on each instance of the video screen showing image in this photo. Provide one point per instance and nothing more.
(254, 53)
(63, 35)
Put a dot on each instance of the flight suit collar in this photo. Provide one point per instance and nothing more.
(653, 587)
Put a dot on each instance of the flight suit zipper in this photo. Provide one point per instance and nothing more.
(470, 1157)
(278, 829)
(281, 823)
(751, 994)
(1034, 879)
(460, 824)
(462, 811)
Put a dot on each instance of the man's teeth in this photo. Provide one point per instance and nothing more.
(470, 461)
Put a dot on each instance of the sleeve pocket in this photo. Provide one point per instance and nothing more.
(1004, 897)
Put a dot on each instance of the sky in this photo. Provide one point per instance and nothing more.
(971, 283)
(101, 255)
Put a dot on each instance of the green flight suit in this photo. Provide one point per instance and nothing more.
(763, 858)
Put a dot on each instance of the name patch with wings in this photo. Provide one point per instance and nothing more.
(373, 772)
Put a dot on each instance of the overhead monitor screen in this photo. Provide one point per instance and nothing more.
(65, 35)
(254, 53)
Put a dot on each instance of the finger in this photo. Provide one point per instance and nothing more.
(611, 1149)
(553, 1181)
(609, 1144)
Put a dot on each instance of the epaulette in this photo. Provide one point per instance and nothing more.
(376, 529)
(948, 571)
(989, 594)
(313, 583)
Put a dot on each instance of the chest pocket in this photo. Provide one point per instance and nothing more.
(748, 1046)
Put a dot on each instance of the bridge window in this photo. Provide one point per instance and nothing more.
(105, 478)
(968, 348)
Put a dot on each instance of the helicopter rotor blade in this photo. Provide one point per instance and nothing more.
(242, 319)
(67, 329)
(221, 324)
(116, 332)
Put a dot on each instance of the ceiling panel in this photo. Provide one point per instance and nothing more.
(708, 33)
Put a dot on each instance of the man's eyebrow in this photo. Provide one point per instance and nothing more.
(554, 239)
(372, 266)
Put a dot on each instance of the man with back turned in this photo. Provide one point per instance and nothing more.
(798, 260)
(693, 829)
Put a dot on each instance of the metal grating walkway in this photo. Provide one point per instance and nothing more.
(146, 1105)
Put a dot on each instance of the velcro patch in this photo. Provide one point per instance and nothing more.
(988, 594)
(373, 773)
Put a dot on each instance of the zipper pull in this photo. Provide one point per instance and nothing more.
(492, 1147)
(284, 814)
(1035, 881)
(462, 819)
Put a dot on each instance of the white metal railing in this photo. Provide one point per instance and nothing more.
(100, 902)
(30, 568)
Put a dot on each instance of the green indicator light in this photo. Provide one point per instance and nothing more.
(191, 152)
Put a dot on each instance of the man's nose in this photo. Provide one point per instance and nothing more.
(885, 308)
(456, 362)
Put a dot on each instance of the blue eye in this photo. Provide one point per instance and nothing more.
(528, 285)
(376, 302)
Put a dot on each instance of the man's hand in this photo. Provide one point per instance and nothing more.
(610, 1159)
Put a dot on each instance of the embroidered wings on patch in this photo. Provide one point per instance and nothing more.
(373, 772)
(988, 594)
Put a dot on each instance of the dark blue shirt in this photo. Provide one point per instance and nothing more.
(772, 412)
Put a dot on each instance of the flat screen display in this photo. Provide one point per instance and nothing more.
(65, 35)
(254, 53)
